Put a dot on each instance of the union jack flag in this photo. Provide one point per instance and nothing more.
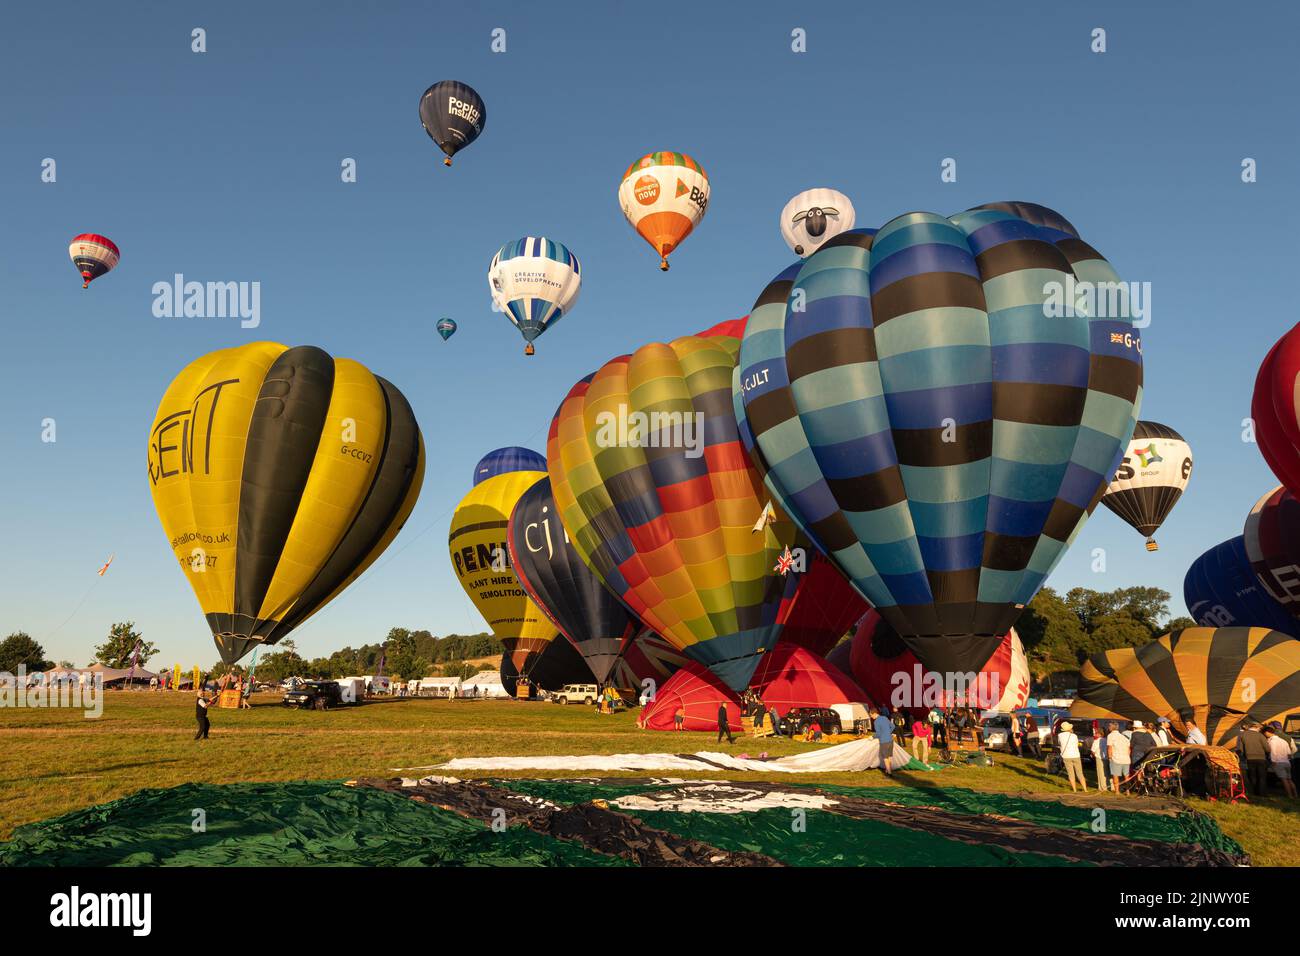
(784, 563)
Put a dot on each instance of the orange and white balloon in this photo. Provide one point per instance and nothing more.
(664, 196)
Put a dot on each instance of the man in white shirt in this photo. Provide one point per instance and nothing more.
(1279, 755)
(1068, 743)
(1195, 735)
(1162, 733)
(1117, 748)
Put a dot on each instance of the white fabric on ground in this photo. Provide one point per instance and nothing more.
(854, 756)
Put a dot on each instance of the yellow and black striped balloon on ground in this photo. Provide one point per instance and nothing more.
(279, 474)
(478, 544)
(1220, 677)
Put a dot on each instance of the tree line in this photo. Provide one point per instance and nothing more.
(1059, 633)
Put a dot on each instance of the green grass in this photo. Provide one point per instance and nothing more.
(53, 761)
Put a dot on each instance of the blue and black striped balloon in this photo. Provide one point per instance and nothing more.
(929, 421)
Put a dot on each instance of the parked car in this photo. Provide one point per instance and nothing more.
(586, 693)
(995, 731)
(799, 719)
(316, 694)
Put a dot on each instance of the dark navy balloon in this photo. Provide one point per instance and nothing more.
(453, 115)
(1221, 590)
(553, 573)
(505, 460)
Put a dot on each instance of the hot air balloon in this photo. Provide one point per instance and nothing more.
(659, 499)
(558, 664)
(1221, 590)
(564, 588)
(646, 657)
(1274, 410)
(93, 255)
(535, 281)
(1220, 677)
(1151, 478)
(1272, 541)
(664, 196)
(501, 461)
(446, 328)
(481, 557)
(453, 115)
(814, 216)
(930, 423)
(279, 474)
(876, 655)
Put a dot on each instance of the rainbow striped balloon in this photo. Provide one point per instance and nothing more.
(660, 500)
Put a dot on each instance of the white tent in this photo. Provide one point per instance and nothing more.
(484, 684)
(440, 687)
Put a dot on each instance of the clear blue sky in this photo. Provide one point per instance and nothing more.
(225, 166)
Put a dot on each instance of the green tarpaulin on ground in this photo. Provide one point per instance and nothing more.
(280, 824)
(329, 823)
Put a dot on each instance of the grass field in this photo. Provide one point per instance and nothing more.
(53, 761)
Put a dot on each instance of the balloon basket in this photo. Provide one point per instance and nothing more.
(663, 265)
(1151, 545)
(529, 350)
(447, 161)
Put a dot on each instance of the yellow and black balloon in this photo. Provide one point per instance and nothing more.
(480, 555)
(279, 474)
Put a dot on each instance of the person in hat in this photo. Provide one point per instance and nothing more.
(1141, 742)
(1067, 741)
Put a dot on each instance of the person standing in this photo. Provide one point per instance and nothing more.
(723, 726)
(921, 741)
(1140, 743)
(1254, 748)
(1099, 757)
(1195, 735)
(1031, 737)
(201, 716)
(776, 722)
(1017, 734)
(679, 718)
(1162, 732)
(1119, 755)
(884, 728)
(1279, 754)
(1067, 741)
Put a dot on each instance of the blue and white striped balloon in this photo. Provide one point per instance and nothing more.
(535, 281)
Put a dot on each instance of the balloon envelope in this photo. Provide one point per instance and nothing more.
(814, 216)
(501, 461)
(480, 556)
(535, 281)
(662, 508)
(93, 255)
(1220, 677)
(1152, 476)
(1275, 410)
(553, 574)
(664, 196)
(1272, 541)
(453, 115)
(930, 424)
(1221, 590)
(269, 513)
